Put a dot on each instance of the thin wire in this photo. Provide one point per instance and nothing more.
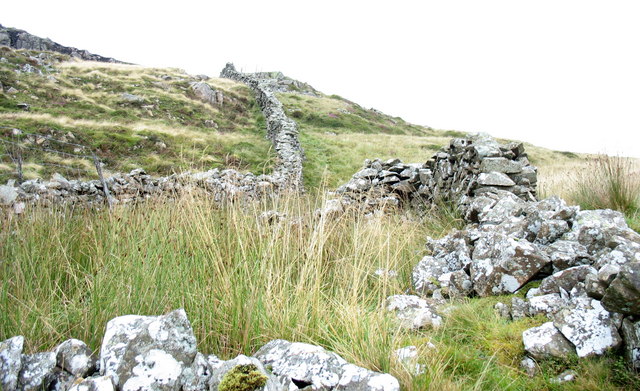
(42, 136)
(46, 150)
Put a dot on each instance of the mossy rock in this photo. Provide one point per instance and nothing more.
(243, 378)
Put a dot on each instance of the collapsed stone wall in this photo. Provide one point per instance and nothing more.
(468, 167)
(160, 353)
(281, 130)
(587, 262)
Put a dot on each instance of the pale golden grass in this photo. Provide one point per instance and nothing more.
(149, 125)
(560, 177)
(315, 104)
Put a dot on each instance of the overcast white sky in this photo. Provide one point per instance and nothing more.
(562, 74)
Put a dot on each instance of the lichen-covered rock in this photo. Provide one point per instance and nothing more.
(623, 295)
(412, 312)
(207, 94)
(425, 275)
(101, 383)
(529, 366)
(36, 372)
(548, 305)
(408, 358)
(502, 264)
(10, 362)
(566, 279)
(546, 341)
(300, 365)
(148, 351)
(565, 254)
(197, 376)
(75, 357)
(60, 380)
(589, 326)
(519, 308)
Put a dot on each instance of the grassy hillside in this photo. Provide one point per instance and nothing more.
(82, 102)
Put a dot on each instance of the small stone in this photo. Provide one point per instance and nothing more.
(101, 383)
(412, 312)
(500, 164)
(75, 357)
(564, 377)
(529, 366)
(408, 358)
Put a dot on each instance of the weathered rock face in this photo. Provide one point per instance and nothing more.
(20, 39)
(299, 365)
(75, 357)
(148, 352)
(10, 362)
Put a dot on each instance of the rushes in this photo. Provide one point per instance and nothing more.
(609, 182)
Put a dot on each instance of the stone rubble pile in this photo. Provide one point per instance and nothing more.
(588, 264)
(160, 353)
(467, 168)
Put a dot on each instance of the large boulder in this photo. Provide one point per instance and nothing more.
(10, 362)
(502, 264)
(590, 327)
(546, 341)
(149, 352)
(207, 94)
(300, 365)
(623, 295)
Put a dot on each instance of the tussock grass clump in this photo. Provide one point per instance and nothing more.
(610, 182)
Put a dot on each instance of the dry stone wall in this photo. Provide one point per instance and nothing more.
(219, 184)
(281, 130)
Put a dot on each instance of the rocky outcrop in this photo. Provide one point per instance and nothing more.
(281, 130)
(20, 39)
(159, 353)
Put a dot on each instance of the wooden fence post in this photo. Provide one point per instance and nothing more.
(105, 189)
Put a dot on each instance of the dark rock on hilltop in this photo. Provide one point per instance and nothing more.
(20, 39)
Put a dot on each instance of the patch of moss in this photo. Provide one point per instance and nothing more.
(243, 378)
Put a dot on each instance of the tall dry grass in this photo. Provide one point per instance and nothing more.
(245, 280)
